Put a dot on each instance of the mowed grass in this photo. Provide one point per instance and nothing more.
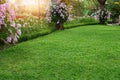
(82, 53)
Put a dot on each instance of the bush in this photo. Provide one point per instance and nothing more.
(36, 29)
(58, 13)
(8, 25)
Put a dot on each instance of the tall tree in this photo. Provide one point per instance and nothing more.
(103, 12)
(102, 4)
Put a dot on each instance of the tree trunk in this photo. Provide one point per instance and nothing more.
(60, 26)
(102, 7)
(103, 15)
(102, 4)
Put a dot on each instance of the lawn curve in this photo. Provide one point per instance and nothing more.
(82, 53)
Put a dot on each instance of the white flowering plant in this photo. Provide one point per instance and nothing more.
(58, 13)
(8, 26)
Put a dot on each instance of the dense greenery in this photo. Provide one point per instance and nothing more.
(43, 28)
(39, 29)
(81, 7)
(81, 21)
(114, 8)
(84, 53)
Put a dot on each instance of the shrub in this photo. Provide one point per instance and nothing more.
(8, 27)
(58, 13)
(35, 29)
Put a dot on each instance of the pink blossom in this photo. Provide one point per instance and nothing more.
(2, 8)
(54, 12)
(58, 12)
(15, 40)
(58, 1)
(7, 13)
(18, 26)
(49, 19)
(12, 24)
(58, 22)
(9, 39)
(7, 6)
(70, 18)
(1, 21)
(62, 5)
(12, 14)
(19, 32)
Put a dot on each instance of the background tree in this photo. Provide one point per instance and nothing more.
(114, 8)
(81, 7)
(77, 8)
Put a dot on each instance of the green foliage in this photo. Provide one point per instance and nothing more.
(77, 8)
(4, 33)
(41, 27)
(44, 28)
(36, 30)
(80, 21)
(33, 27)
(82, 7)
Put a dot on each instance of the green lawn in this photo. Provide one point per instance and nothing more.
(82, 53)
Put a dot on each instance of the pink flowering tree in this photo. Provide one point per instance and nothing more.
(11, 29)
(58, 13)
